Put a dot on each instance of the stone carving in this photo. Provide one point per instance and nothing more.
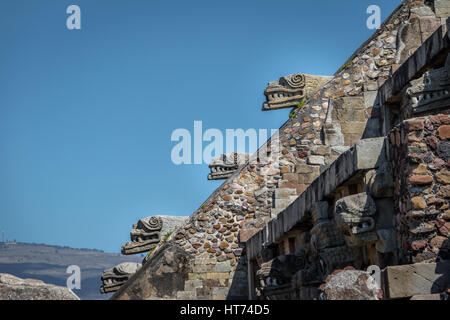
(113, 278)
(280, 270)
(431, 91)
(289, 90)
(147, 233)
(354, 217)
(224, 166)
(380, 182)
(340, 257)
(324, 234)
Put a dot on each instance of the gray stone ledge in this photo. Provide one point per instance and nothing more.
(364, 155)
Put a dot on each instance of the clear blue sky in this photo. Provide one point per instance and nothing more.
(86, 115)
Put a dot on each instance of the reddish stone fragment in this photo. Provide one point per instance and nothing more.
(418, 180)
(414, 124)
(444, 132)
(418, 244)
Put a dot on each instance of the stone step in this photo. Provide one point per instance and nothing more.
(284, 193)
(186, 295)
(416, 279)
(275, 211)
(191, 285)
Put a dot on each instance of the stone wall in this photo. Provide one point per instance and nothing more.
(337, 115)
(420, 154)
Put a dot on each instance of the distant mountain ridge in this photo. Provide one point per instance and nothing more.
(49, 263)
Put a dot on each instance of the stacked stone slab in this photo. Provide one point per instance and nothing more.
(320, 130)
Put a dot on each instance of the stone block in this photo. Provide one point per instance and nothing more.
(186, 295)
(333, 134)
(196, 276)
(223, 266)
(275, 211)
(355, 127)
(351, 285)
(321, 150)
(442, 12)
(325, 235)
(386, 240)
(217, 275)
(346, 115)
(291, 176)
(220, 291)
(284, 193)
(371, 86)
(353, 216)
(14, 288)
(416, 279)
(429, 24)
(287, 184)
(319, 211)
(245, 234)
(380, 181)
(316, 160)
(304, 168)
(192, 285)
(351, 138)
(282, 203)
(309, 293)
(385, 217)
(307, 178)
(370, 153)
(203, 268)
(441, 4)
(370, 99)
(435, 296)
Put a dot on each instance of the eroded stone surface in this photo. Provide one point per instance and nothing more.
(417, 279)
(147, 233)
(225, 165)
(14, 288)
(290, 90)
(352, 285)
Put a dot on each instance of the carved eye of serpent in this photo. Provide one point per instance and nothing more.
(154, 222)
(296, 80)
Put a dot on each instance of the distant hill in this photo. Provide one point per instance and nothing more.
(49, 264)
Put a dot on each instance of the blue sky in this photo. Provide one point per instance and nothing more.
(86, 115)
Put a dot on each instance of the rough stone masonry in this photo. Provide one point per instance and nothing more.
(259, 213)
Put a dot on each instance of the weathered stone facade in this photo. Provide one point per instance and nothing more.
(419, 149)
(14, 288)
(319, 192)
(113, 278)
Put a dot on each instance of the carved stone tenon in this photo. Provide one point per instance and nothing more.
(113, 278)
(290, 90)
(225, 165)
